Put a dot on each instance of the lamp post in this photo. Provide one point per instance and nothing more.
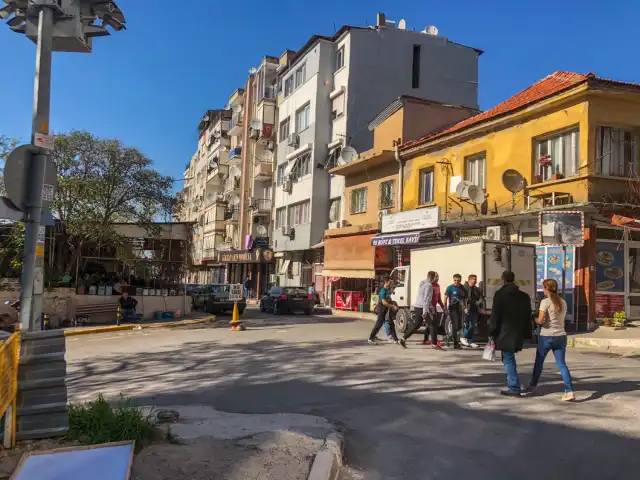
(54, 25)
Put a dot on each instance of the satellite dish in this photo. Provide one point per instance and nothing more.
(256, 124)
(235, 200)
(234, 172)
(267, 155)
(262, 230)
(513, 180)
(463, 189)
(476, 194)
(348, 154)
(402, 24)
(252, 70)
(236, 108)
(431, 30)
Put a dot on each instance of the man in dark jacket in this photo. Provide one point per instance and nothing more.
(128, 306)
(510, 325)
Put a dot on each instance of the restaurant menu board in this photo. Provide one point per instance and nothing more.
(607, 305)
(549, 261)
(609, 268)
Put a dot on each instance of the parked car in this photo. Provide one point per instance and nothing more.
(217, 300)
(287, 299)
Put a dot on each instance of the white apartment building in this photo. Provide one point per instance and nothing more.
(328, 93)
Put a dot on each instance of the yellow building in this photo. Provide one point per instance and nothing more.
(371, 191)
(568, 142)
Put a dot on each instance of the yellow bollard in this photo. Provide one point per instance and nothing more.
(235, 323)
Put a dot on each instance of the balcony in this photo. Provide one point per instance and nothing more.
(231, 186)
(235, 124)
(260, 206)
(268, 93)
(235, 153)
(208, 254)
(216, 174)
(232, 214)
(262, 171)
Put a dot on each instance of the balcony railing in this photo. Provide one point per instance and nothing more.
(235, 124)
(235, 153)
(261, 205)
(269, 93)
(232, 213)
(263, 170)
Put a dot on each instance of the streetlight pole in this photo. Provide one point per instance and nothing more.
(32, 279)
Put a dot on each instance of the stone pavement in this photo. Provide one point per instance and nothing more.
(407, 414)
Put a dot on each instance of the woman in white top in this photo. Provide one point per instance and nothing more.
(553, 337)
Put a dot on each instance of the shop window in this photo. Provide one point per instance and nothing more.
(557, 155)
(616, 152)
(609, 234)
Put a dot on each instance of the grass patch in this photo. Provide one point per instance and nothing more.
(100, 422)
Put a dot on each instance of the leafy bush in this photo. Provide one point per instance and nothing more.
(101, 422)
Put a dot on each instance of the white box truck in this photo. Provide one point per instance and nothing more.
(485, 258)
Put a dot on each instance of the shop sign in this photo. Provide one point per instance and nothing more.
(391, 240)
(420, 219)
(246, 256)
(561, 228)
(610, 267)
(549, 264)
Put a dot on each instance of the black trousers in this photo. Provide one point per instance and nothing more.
(380, 322)
(417, 312)
(431, 332)
(455, 316)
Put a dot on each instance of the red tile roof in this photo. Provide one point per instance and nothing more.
(547, 87)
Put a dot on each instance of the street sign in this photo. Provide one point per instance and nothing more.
(16, 173)
(235, 292)
(44, 141)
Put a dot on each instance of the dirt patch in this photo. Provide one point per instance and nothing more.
(9, 458)
(266, 456)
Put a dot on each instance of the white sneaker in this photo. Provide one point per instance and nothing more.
(474, 345)
(464, 342)
(372, 342)
(390, 340)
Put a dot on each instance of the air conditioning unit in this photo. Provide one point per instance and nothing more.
(286, 231)
(287, 186)
(293, 140)
(494, 233)
(254, 133)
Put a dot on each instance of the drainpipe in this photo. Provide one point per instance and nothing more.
(400, 175)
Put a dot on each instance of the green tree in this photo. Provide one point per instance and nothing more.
(102, 181)
(6, 145)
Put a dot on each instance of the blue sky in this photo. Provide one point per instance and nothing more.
(150, 85)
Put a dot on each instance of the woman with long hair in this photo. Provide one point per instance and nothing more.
(553, 337)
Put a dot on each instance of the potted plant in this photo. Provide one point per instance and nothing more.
(557, 176)
(608, 321)
(619, 320)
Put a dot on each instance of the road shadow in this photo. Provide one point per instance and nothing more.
(440, 418)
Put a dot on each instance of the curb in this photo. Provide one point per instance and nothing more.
(605, 343)
(327, 462)
(119, 328)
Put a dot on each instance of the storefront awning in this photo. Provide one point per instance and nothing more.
(349, 273)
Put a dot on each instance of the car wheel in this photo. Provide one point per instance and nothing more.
(307, 311)
(276, 309)
(262, 309)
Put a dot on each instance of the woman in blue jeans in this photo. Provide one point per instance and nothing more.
(553, 337)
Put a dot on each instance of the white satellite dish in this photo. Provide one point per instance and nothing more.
(476, 194)
(235, 172)
(262, 230)
(257, 124)
(402, 24)
(348, 154)
(227, 106)
(431, 30)
(463, 189)
(267, 155)
(252, 70)
(236, 108)
(235, 200)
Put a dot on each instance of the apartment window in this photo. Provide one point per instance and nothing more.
(425, 194)
(299, 214)
(616, 152)
(302, 118)
(302, 167)
(359, 200)
(337, 107)
(474, 169)
(387, 194)
(415, 68)
(333, 159)
(288, 86)
(281, 216)
(284, 129)
(340, 58)
(335, 210)
(301, 75)
(558, 155)
(280, 174)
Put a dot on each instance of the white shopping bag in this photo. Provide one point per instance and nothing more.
(489, 353)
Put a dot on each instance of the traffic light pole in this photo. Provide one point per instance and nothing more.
(31, 281)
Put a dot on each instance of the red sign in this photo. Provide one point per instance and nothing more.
(267, 130)
(607, 305)
(356, 299)
(348, 300)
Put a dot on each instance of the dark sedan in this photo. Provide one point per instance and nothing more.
(287, 299)
(218, 300)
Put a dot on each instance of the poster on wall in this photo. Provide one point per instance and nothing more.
(610, 269)
(549, 262)
(562, 228)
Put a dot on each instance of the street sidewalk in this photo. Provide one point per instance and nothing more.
(608, 338)
(195, 318)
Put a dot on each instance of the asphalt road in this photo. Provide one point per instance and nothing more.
(407, 414)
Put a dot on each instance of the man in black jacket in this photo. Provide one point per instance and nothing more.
(510, 325)
(128, 307)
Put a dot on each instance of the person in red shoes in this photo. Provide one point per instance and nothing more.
(432, 330)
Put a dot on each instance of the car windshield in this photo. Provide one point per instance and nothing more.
(220, 289)
(295, 291)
